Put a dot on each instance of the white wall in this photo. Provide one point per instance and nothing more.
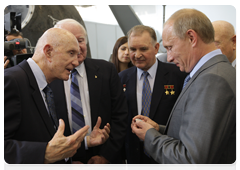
(102, 38)
(103, 33)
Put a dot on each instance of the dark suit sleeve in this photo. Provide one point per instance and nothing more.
(113, 146)
(17, 151)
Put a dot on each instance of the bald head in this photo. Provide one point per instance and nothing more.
(56, 54)
(223, 27)
(225, 38)
(55, 37)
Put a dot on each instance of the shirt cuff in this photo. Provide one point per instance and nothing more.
(85, 141)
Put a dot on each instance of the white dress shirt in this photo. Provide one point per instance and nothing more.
(84, 94)
(234, 63)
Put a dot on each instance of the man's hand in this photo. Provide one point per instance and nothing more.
(60, 147)
(98, 136)
(80, 166)
(148, 120)
(98, 160)
(140, 128)
(6, 62)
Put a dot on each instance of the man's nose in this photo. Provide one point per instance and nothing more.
(75, 62)
(169, 58)
(138, 55)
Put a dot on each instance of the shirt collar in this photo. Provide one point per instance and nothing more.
(203, 60)
(235, 62)
(152, 71)
(38, 74)
(81, 69)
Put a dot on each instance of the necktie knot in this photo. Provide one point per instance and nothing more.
(74, 72)
(48, 90)
(145, 74)
(186, 80)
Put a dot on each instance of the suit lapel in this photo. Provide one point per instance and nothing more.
(131, 91)
(158, 89)
(95, 79)
(37, 97)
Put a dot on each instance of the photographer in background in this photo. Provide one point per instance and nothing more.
(15, 35)
(11, 36)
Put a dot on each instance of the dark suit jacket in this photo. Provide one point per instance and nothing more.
(107, 100)
(27, 125)
(161, 104)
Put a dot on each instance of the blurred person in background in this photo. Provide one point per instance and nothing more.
(225, 39)
(120, 55)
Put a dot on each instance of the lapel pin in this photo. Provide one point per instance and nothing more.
(124, 87)
(95, 76)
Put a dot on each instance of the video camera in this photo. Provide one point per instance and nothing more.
(12, 23)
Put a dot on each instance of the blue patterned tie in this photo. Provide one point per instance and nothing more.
(186, 80)
(146, 95)
(76, 103)
(51, 106)
(146, 99)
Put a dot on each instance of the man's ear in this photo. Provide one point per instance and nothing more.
(157, 48)
(192, 36)
(47, 49)
(234, 42)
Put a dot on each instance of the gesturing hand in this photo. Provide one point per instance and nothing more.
(98, 136)
(6, 62)
(60, 147)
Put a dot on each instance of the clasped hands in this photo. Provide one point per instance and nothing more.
(60, 147)
(141, 124)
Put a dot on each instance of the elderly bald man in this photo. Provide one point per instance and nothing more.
(225, 39)
(32, 132)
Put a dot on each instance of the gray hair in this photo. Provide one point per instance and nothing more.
(139, 29)
(69, 21)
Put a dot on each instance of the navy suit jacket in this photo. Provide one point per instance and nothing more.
(27, 125)
(161, 103)
(108, 101)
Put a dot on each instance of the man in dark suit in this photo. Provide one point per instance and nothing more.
(202, 125)
(30, 135)
(101, 95)
(165, 82)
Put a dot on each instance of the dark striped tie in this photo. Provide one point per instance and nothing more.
(76, 103)
(51, 106)
(146, 95)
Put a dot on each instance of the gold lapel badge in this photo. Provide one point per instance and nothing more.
(95, 76)
(124, 87)
(169, 87)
